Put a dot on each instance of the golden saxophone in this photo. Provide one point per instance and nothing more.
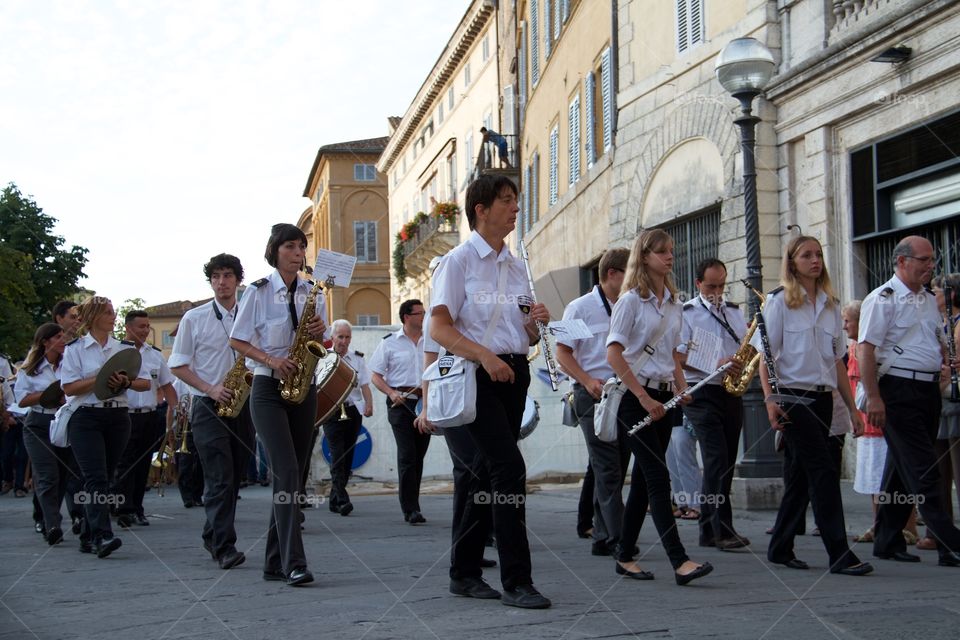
(304, 352)
(238, 380)
(748, 357)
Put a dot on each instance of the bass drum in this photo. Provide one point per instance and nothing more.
(335, 380)
(531, 417)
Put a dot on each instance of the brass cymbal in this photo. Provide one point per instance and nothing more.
(126, 361)
(50, 398)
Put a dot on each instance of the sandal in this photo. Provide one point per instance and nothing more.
(690, 514)
(926, 543)
(866, 536)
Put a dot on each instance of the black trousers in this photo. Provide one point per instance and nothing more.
(494, 435)
(342, 437)
(51, 468)
(190, 472)
(285, 431)
(810, 475)
(470, 479)
(219, 445)
(411, 449)
(98, 437)
(585, 506)
(717, 419)
(608, 462)
(650, 481)
(133, 469)
(910, 475)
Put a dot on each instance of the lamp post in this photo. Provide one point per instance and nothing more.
(743, 68)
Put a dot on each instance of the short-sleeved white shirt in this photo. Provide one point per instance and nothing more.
(159, 373)
(202, 343)
(590, 353)
(887, 317)
(26, 384)
(634, 324)
(399, 360)
(355, 360)
(84, 357)
(699, 313)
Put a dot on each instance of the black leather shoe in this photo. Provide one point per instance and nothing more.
(75, 525)
(54, 535)
(729, 544)
(487, 564)
(525, 596)
(274, 576)
(107, 546)
(141, 520)
(795, 564)
(636, 575)
(861, 569)
(699, 572)
(951, 559)
(599, 548)
(125, 521)
(473, 588)
(334, 507)
(899, 556)
(346, 508)
(209, 548)
(415, 517)
(708, 543)
(231, 559)
(86, 547)
(298, 577)
(188, 504)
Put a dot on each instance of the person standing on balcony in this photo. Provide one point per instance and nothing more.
(501, 141)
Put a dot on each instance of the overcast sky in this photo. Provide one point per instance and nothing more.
(162, 133)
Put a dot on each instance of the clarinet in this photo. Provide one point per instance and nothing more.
(951, 344)
(552, 370)
(675, 400)
(767, 354)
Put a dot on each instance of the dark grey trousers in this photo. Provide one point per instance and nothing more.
(97, 437)
(51, 467)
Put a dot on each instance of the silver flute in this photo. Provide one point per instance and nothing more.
(552, 370)
(675, 400)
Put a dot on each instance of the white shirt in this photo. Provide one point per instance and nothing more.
(6, 386)
(634, 323)
(886, 318)
(699, 312)
(84, 357)
(26, 384)
(264, 319)
(159, 373)
(590, 353)
(355, 360)
(805, 342)
(202, 343)
(399, 360)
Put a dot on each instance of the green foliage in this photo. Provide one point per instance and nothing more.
(399, 268)
(130, 304)
(16, 293)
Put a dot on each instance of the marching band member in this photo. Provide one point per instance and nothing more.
(342, 434)
(146, 431)
(805, 335)
(201, 358)
(396, 368)
(647, 299)
(189, 468)
(586, 362)
(99, 429)
(66, 315)
(716, 416)
(465, 297)
(264, 331)
(901, 328)
(51, 464)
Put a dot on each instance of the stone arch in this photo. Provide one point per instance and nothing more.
(367, 300)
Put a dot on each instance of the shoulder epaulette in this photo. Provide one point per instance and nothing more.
(688, 305)
(156, 348)
(259, 283)
(931, 293)
(776, 291)
(886, 292)
(359, 353)
(128, 342)
(733, 305)
(72, 341)
(386, 336)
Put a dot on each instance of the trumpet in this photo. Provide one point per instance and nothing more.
(552, 370)
(182, 419)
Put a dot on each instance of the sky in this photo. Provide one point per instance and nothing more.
(159, 134)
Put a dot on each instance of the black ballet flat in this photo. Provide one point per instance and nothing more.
(636, 575)
(699, 572)
(861, 569)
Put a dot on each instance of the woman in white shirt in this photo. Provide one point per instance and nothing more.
(644, 334)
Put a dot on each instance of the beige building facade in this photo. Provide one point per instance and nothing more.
(349, 215)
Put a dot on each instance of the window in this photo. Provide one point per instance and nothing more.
(488, 119)
(319, 193)
(364, 172)
(573, 115)
(547, 30)
(167, 339)
(524, 225)
(452, 175)
(509, 124)
(469, 159)
(522, 60)
(365, 241)
(450, 99)
(534, 44)
(694, 239)
(486, 47)
(535, 195)
(689, 24)
(606, 93)
(368, 319)
(554, 165)
(466, 75)
(589, 130)
(440, 114)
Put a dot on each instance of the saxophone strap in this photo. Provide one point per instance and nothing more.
(292, 302)
(723, 322)
(216, 312)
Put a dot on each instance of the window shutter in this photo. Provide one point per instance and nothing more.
(523, 68)
(683, 32)
(606, 85)
(534, 43)
(556, 19)
(554, 161)
(525, 214)
(371, 241)
(535, 196)
(574, 115)
(696, 21)
(358, 242)
(589, 83)
(547, 30)
(565, 4)
(509, 121)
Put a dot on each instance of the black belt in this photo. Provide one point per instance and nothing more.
(513, 359)
(655, 385)
(143, 410)
(813, 390)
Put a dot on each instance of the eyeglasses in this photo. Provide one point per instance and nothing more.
(418, 313)
(921, 259)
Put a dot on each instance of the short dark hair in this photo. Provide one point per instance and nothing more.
(61, 308)
(406, 308)
(613, 259)
(483, 191)
(709, 263)
(224, 261)
(133, 315)
(280, 233)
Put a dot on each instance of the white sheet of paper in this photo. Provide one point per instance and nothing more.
(17, 410)
(703, 352)
(575, 329)
(339, 266)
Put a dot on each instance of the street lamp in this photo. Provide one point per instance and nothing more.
(743, 68)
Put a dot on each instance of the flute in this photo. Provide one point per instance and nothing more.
(552, 370)
(675, 400)
(951, 343)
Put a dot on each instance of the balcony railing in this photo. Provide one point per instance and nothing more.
(848, 13)
(435, 236)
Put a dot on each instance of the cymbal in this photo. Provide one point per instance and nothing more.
(126, 361)
(50, 398)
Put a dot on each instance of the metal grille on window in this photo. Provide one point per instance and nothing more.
(945, 238)
(694, 239)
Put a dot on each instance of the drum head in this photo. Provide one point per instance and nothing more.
(531, 417)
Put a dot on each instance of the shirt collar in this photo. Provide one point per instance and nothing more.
(223, 311)
(278, 284)
(899, 287)
(667, 297)
(483, 249)
(707, 304)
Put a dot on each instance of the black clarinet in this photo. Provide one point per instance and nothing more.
(951, 344)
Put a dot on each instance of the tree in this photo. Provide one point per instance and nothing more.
(52, 270)
(16, 293)
(130, 304)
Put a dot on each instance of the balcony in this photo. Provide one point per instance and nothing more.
(435, 236)
(849, 14)
(489, 162)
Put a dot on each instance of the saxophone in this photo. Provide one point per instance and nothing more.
(748, 357)
(304, 352)
(238, 380)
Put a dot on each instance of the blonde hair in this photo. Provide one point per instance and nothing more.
(89, 310)
(636, 276)
(793, 290)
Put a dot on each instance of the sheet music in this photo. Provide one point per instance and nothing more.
(575, 329)
(703, 350)
(338, 266)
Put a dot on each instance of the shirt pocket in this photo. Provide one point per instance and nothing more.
(479, 301)
(797, 334)
(828, 340)
(277, 336)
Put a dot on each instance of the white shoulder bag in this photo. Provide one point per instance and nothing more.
(58, 426)
(860, 395)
